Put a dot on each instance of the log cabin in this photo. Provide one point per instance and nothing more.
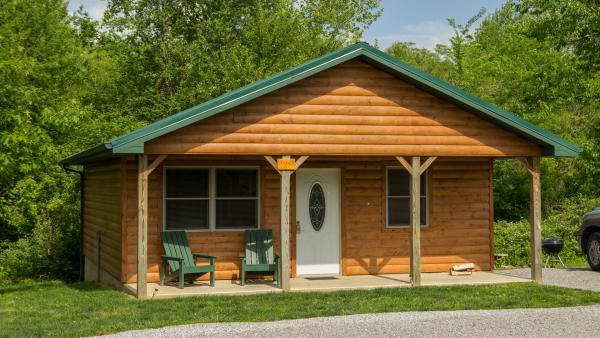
(399, 162)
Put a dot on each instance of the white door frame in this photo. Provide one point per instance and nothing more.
(338, 172)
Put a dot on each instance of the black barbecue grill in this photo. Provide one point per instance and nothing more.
(552, 246)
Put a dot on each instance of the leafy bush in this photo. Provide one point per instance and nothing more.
(563, 221)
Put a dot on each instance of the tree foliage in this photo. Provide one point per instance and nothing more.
(533, 58)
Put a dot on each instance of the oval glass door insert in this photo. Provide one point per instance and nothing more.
(316, 206)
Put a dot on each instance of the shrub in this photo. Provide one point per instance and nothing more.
(562, 221)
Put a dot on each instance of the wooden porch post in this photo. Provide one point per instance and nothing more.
(142, 229)
(142, 217)
(535, 216)
(415, 221)
(285, 166)
(415, 169)
(285, 230)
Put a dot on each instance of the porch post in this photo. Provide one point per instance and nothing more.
(415, 169)
(285, 230)
(285, 166)
(415, 221)
(535, 216)
(144, 171)
(142, 229)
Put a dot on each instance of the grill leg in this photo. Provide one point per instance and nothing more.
(547, 260)
(561, 262)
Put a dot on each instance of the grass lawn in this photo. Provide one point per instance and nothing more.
(62, 309)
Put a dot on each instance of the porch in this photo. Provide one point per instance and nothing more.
(321, 283)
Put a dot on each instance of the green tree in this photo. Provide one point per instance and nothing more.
(175, 54)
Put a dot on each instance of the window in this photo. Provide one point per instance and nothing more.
(236, 199)
(186, 199)
(211, 198)
(398, 198)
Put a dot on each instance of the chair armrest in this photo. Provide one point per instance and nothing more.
(171, 258)
(203, 255)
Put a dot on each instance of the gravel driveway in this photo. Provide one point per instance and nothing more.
(578, 278)
(555, 322)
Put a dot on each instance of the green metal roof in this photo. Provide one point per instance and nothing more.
(133, 142)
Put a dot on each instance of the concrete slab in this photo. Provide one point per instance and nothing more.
(322, 283)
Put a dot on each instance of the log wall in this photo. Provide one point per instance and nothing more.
(352, 108)
(103, 212)
(459, 219)
(227, 244)
(459, 229)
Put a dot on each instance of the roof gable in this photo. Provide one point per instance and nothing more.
(133, 143)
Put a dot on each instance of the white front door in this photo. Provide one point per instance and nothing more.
(318, 221)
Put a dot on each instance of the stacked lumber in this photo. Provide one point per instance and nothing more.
(462, 269)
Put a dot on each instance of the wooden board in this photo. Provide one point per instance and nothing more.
(351, 109)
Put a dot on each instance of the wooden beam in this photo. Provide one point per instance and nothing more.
(404, 163)
(300, 160)
(272, 162)
(142, 229)
(415, 221)
(536, 218)
(426, 165)
(157, 161)
(285, 230)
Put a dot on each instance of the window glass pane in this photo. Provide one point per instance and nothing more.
(398, 182)
(236, 214)
(186, 214)
(399, 210)
(237, 182)
(187, 183)
(424, 184)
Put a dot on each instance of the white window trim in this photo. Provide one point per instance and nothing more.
(426, 195)
(212, 197)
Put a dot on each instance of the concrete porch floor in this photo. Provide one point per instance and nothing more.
(321, 283)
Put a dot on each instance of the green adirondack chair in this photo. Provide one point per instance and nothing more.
(180, 259)
(259, 256)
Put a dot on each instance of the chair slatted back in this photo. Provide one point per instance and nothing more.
(176, 245)
(259, 247)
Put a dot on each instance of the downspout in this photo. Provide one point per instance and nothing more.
(81, 260)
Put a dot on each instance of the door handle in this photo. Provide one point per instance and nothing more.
(297, 226)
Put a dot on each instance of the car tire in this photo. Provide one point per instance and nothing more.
(593, 251)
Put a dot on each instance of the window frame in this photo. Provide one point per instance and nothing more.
(426, 195)
(212, 196)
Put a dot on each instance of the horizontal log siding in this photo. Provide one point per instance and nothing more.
(459, 219)
(459, 229)
(103, 211)
(226, 245)
(352, 108)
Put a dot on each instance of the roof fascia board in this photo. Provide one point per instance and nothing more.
(100, 151)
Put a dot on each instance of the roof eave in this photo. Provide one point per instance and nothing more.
(98, 152)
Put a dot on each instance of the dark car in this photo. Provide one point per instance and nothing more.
(589, 238)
